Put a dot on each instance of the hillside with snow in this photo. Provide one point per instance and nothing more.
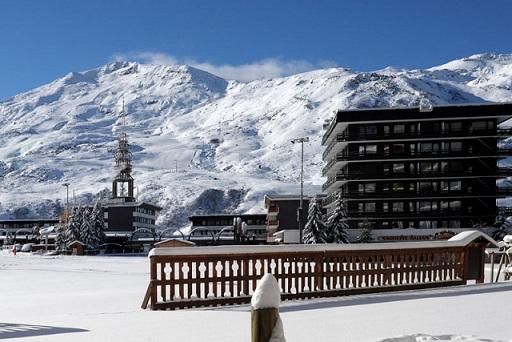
(229, 140)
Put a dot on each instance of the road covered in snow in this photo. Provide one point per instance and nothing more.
(64, 298)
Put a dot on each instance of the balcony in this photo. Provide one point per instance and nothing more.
(354, 156)
(504, 192)
(419, 215)
(491, 133)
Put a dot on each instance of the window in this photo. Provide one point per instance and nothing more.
(398, 168)
(399, 129)
(425, 224)
(371, 130)
(369, 207)
(385, 207)
(480, 125)
(455, 186)
(455, 205)
(397, 224)
(425, 206)
(398, 186)
(386, 130)
(371, 149)
(426, 167)
(386, 150)
(454, 224)
(445, 186)
(455, 126)
(426, 147)
(368, 187)
(398, 207)
(456, 146)
(399, 148)
(367, 149)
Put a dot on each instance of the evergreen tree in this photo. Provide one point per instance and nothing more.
(73, 227)
(87, 236)
(337, 224)
(366, 233)
(315, 230)
(99, 224)
(60, 238)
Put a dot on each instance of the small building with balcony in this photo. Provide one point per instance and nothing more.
(282, 217)
(422, 169)
(219, 229)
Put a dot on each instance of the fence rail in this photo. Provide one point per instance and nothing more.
(210, 276)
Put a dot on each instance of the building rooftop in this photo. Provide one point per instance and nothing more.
(501, 111)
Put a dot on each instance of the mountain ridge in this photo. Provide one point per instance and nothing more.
(230, 139)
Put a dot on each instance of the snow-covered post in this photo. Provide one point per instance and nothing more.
(266, 325)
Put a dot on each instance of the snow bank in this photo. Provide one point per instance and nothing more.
(267, 294)
(446, 338)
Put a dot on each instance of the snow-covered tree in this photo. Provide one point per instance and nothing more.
(60, 238)
(87, 228)
(337, 224)
(366, 233)
(99, 224)
(315, 230)
(73, 227)
(503, 227)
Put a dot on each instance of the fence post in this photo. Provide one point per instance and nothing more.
(152, 283)
(265, 321)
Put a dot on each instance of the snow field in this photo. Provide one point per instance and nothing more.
(98, 299)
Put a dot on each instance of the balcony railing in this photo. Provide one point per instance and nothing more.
(406, 214)
(347, 137)
(348, 156)
(350, 176)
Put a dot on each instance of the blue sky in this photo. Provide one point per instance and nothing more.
(42, 40)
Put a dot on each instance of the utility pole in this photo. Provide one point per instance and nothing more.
(299, 211)
(176, 165)
(67, 202)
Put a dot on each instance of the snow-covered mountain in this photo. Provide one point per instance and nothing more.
(230, 140)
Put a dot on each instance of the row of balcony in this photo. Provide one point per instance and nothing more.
(445, 213)
(498, 192)
(348, 176)
(491, 133)
(353, 137)
(346, 156)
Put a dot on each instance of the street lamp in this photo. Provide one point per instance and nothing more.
(299, 211)
(67, 202)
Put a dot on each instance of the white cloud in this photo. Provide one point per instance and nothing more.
(266, 68)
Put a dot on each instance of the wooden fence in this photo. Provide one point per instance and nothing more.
(210, 276)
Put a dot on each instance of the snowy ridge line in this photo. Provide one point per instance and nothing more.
(459, 240)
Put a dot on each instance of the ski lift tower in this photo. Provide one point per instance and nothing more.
(122, 185)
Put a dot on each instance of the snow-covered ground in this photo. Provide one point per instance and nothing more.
(231, 140)
(69, 298)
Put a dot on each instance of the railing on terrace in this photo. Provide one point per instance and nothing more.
(345, 156)
(210, 276)
(501, 132)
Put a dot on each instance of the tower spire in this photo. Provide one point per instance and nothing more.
(122, 186)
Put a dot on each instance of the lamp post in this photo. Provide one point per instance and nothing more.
(67, 202)
(299, 211)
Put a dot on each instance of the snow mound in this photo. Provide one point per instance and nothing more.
(267, 294)
(446, 338)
